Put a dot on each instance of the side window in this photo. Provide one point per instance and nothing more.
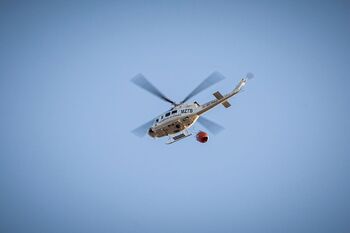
(161, 117)
(167, 114)
(157, 120)
(173, 112)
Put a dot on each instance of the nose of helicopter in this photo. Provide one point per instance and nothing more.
(151, 133)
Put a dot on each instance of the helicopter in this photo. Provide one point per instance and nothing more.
(176, 122)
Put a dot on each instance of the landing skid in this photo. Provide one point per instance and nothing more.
(177, 137)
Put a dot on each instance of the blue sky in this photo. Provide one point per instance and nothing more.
(68, 162)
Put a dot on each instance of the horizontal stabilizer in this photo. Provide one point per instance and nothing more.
(226, 104)
(219, 96)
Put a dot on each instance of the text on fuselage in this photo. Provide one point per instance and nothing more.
(188, 110)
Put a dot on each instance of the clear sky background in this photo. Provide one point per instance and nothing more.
(68, 160)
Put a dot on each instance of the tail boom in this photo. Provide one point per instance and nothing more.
(220, 99)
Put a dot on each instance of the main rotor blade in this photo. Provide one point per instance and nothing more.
(210, 125)
(143, 129)
(211, 80)
(250, 76)
(142, 82)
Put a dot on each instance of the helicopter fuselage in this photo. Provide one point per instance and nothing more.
(175, 120)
